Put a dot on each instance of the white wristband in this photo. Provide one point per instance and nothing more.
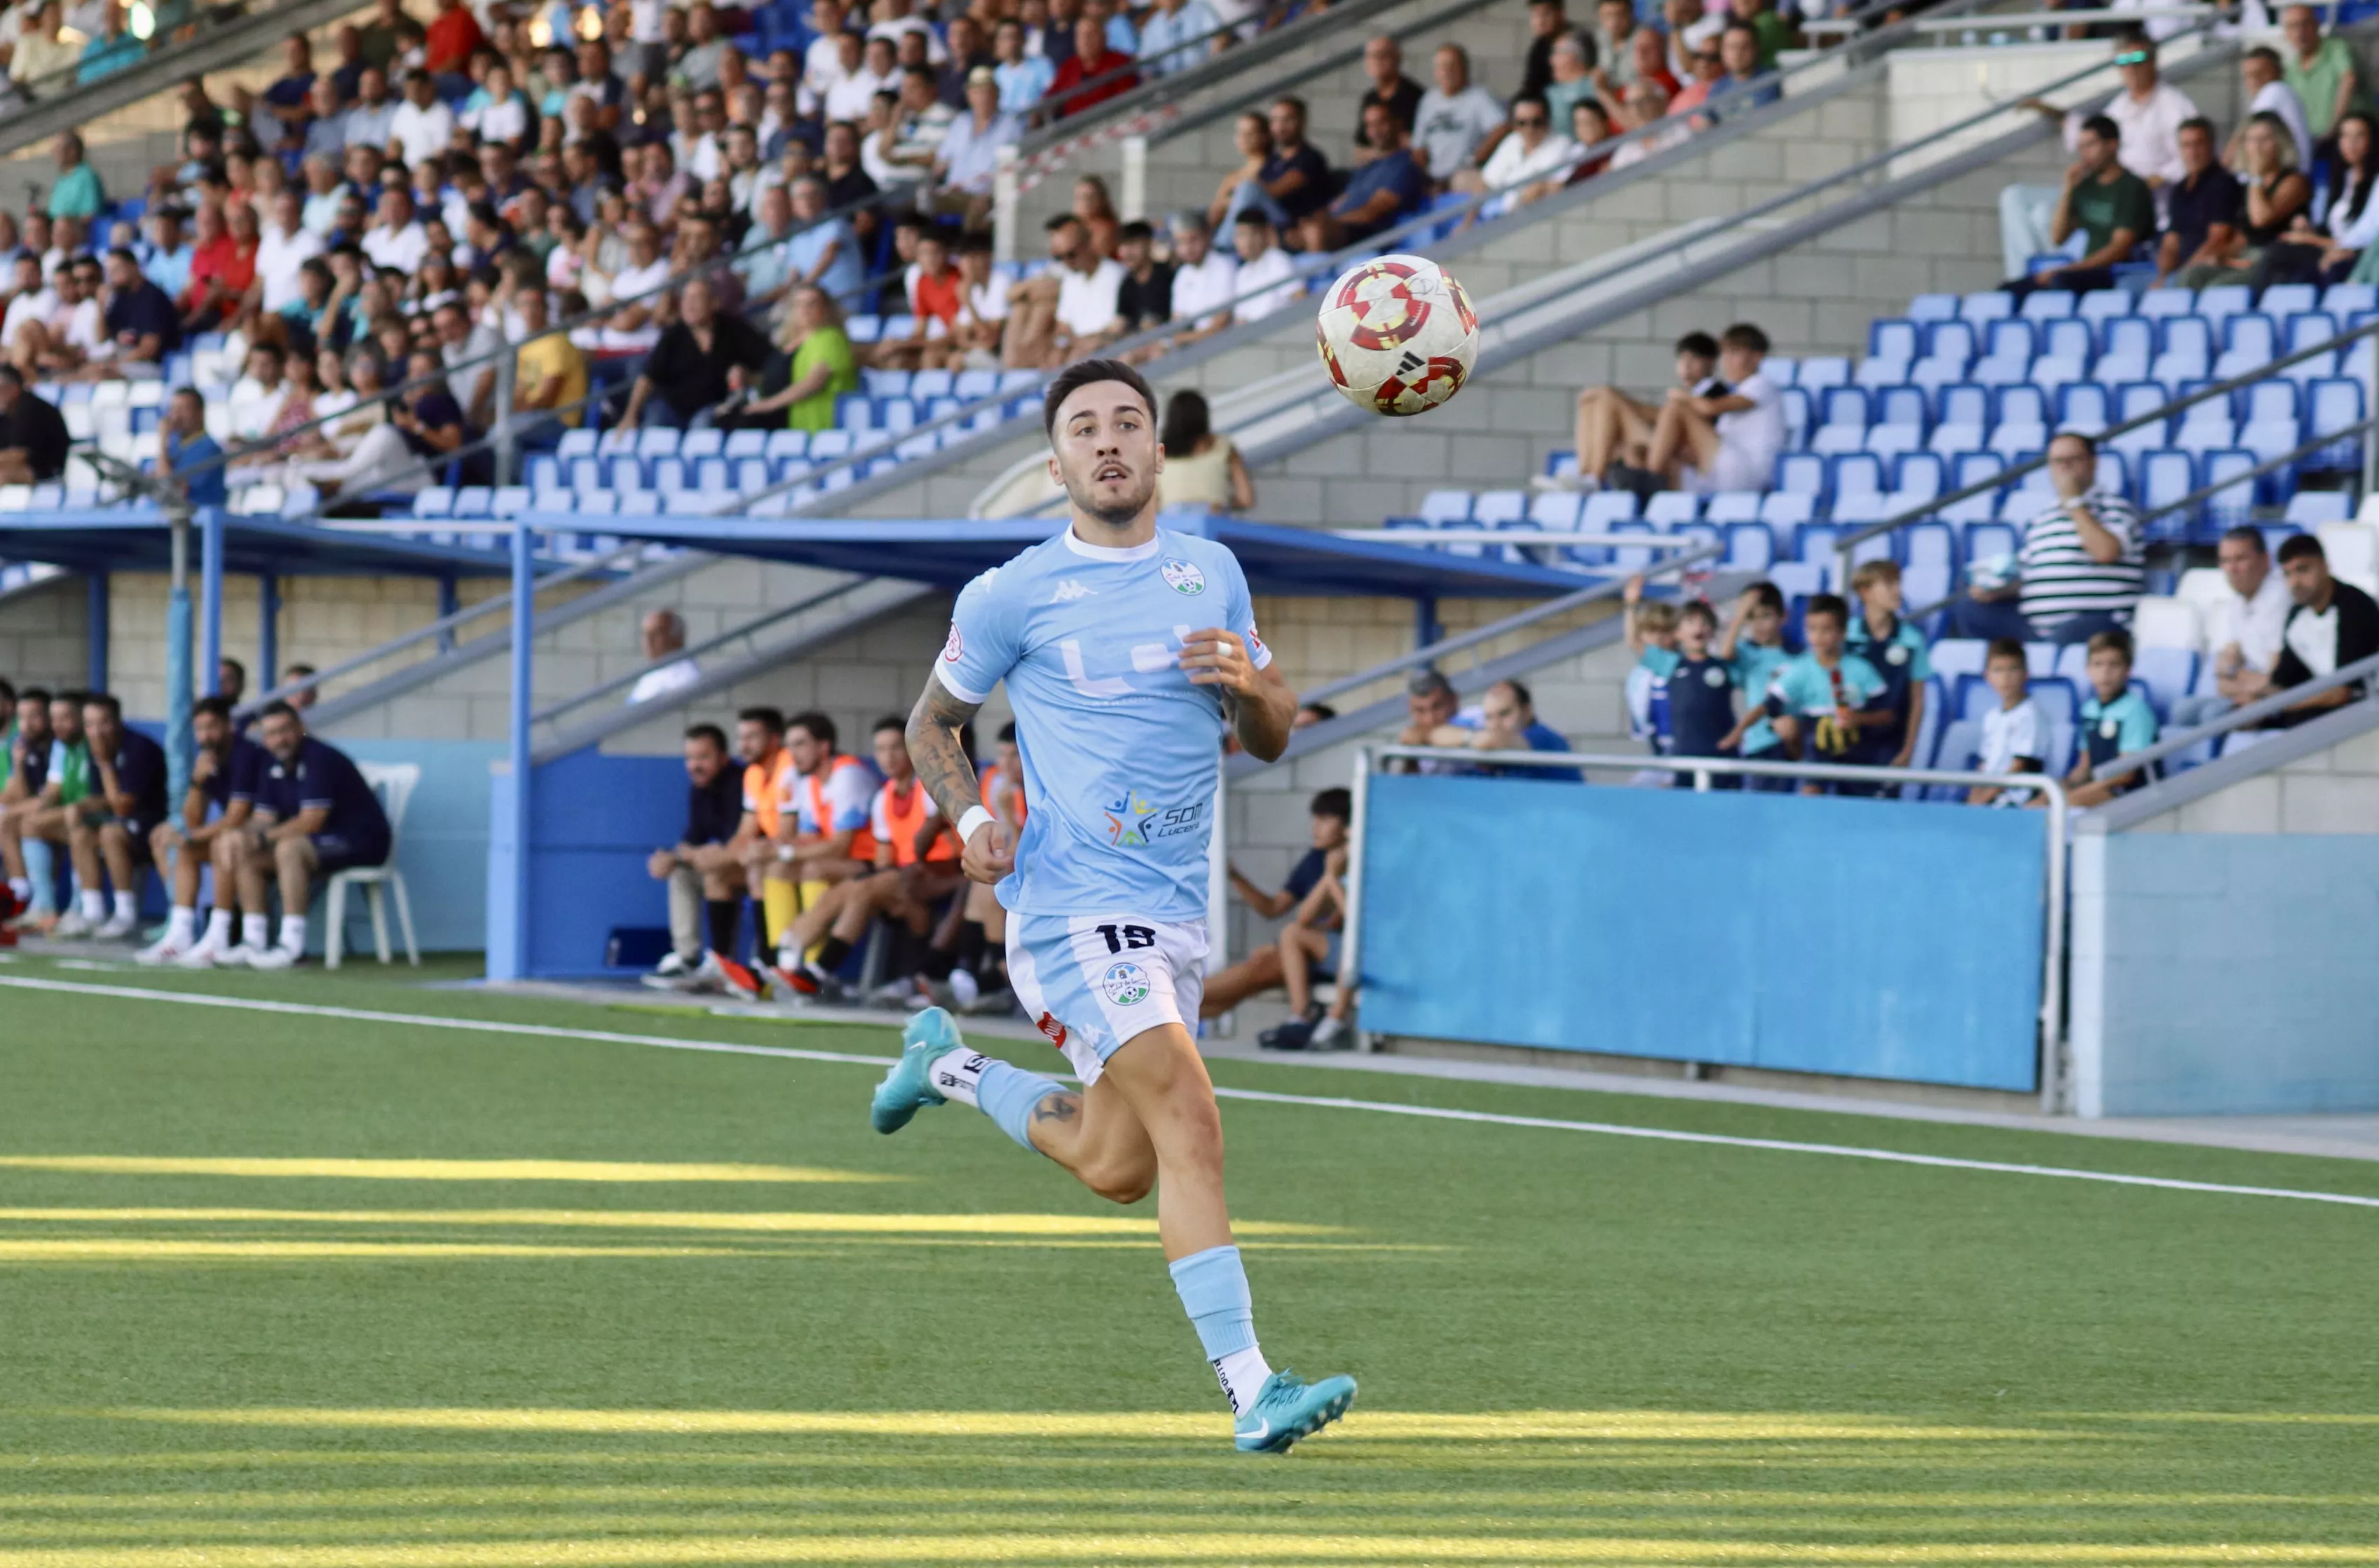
(976, 816)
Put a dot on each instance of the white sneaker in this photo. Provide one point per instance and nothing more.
(73, 924)
(117, 928)
(167, 949)
(273, 958)
(200, 955)
(1327, 1035)
(242, 957)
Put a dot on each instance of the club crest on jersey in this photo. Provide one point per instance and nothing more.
(1182, 577)
(955, 646)
(1125, 984)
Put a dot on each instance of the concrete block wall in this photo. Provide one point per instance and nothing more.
(45, 637)
(2334, 791)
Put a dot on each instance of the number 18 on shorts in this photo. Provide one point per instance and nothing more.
(1093, 981)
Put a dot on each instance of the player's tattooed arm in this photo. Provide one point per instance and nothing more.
(941, 761)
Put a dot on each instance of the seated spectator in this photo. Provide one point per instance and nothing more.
(2015, 733)
(1457, 122)
(44, 55)
(548, 373)
(1753, 645)
(427, 418)
(1145, 298)
(824, 252)
(111, 49)
(662, 639)
(2321, 71)
(1614, 37)
(1707, 69)
(2205, 208)
(1898, 652)
(1205, 282)
(2243, 629)
(1769, 28)
(688, 369)
(1529, 153)
(1747, 83)
(1092, 74)
(2331, 251)
(2265, 86)
(1824, 700)
(109, 828)
(1590, 127)
(914, 868)
(2115, 720)
(1287, 180)
(968, 158)
(1095, 208)
(1267, 278)
(1067, 311)
(1429, 703)
(1379, 194)
(813, 367)
(224, 771)
(314, 816)
(1177, 34)
(1023, 79)
(1331, 813)
(49, 775)
(1613, 430)
(75, 193)
(1651, 631)
(1202, 467)
(1384, 62)
(2147, 115)
(1571, 83)
(2080, 568)
(1251, 138)
(974, 341)
(704, 879)
(1548, 24)
(936, 296)
(2333, 624)
(2109, 206)
(34, 439)
(1506, 720)
(2277, 191)
(1729, 441)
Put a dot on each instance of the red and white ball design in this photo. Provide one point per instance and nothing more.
(1397, 335)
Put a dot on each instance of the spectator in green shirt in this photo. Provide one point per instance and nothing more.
(2111, 207)
(76, 194)
(1774, 32)
(2322, 70)
(813, 367)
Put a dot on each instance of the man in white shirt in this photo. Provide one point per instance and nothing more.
(867, 69)
(2266, 81)
(32, 300)
(664, 634)
(2149, 112)
(1532, 151)
(2244, 630)
(1067, 311)
(1727, 442)
(395, 240)
(255, 398)
(283, 248)
(422, 126)
(373, 115)
(968, 158)
(1267, 279)
(1456, 120)
(1206, 280)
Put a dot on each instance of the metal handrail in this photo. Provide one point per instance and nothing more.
(2052, 979)
(2269, 465)
(2249, 716)
(18, 97)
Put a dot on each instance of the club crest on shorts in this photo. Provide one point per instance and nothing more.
(1182, 577)
(1125, 984)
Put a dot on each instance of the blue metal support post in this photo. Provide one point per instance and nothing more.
(268, 631)
(96, 630)
(1425, 627)
(450, 599)
(508, 947)
(210, 520)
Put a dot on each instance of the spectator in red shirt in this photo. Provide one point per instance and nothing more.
(454, 34)
(221, 270)
(937, 295)
(1091, 59)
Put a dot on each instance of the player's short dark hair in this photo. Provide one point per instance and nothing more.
(1827, 604)
(1701, 344)
(772, 720)
(2006, 648)
(710, 732)
(2114, 639)
(891, 721)
(2103, 127)
(218, 706)
(819, 726)
(2301, 546)
(1746, 337)
(1336, 802)
(278, 708)
(1090, 372)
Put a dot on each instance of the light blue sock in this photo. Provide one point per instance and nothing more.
(42, 871)
(1214, 1289)
(1007, 1095)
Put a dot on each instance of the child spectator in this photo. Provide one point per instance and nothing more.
(1652, 638)
(1823, 700)
(1701, 694)
(1753, 645)
(2115, 720)
(1897, 650)
(2015, 733)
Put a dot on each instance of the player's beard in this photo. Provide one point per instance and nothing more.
(1120, 513)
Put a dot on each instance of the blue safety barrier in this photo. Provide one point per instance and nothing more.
(1869, 938)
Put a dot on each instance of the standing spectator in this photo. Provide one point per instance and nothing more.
(1897, 651)
(75, 193)
(2268, 91)
(1068, 310)
(1822, 701)
(662, 635)
(1651, 631)
(1206, 280)
(1202, 467)
(34, 439)
(315, 816)
(2109, 206)
(1457, 122)
(1381, 193)
(2115, 720)
(1701, 694)
(2081, 567)
(1170, 38)
(1095, 73)
(1730, 441)
(2320, 70)
(1267, 277)
(688, 367)
(1384, 62)
(1548, 24)
(1145, 298)
(2146, 116)
(2244, 629)
(2206, 207)
(2015, 733)
(704, 879)
(1754, 646)
(2334, 624)
(188, 457)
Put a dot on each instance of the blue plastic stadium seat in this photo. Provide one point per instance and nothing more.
(2311, 509)
(510, 501)
(544, 472)
(1933, 308)
(1893, 338)
(787, 443)
(474, 500)
(825, 446)
(2048, 305)
(1441, 507)
(575, 444)
(1801, 472)
(2161, 302)
(862, 329)
(434, 501)
(1557, 511)
(657, 444)
(1733, 506)
(1750, 546)
(1669, 507)
(2335, 404)
(1824, 370)
(1989, 306)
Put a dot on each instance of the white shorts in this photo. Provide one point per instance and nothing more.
(1091, 983)
(1736, 469)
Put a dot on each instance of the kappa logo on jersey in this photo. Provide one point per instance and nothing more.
(1135, 821)
(1182, 577)
(1054, 1030)
(953, 648)
(1125, 985)
(1069, 591)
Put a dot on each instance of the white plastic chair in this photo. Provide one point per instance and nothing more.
(395, 782)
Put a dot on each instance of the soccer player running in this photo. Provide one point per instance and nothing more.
(1127, 649)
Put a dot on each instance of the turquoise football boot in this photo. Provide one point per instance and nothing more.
(909, 1088)
(1287, 1408)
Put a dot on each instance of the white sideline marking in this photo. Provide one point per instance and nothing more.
(1323, 1102)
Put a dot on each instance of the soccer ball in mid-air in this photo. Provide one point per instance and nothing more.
(1397, 334)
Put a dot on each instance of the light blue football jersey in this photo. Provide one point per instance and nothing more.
(1121, 754)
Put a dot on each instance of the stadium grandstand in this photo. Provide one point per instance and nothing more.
(1889, 615)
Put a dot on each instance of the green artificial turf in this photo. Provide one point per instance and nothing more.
(936, 1349)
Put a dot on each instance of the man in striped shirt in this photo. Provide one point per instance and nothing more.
(2080, 570)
